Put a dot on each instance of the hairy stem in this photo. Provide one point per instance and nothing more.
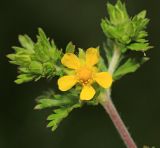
(120, 126)
(110, 108)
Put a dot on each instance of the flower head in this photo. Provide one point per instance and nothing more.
(85, 73)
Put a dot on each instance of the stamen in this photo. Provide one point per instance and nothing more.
(84, 75)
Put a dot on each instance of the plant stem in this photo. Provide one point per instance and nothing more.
(110, 108)
(115, 60)
(120, 126)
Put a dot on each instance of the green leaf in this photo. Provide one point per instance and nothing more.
(50, 102)
(139, 46)
(50, 99)
(22, 78)
(59, 114)
(64, 104)
(56, 100)
(130, 66)
(70, 48)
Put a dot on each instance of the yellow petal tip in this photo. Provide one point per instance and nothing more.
(66, 82)
(87, 93)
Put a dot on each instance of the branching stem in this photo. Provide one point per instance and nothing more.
(112, 111)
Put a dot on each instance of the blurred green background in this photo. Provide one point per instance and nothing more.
(137, 96)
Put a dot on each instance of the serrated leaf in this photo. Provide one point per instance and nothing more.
(139, 46)
(50, 99)
(59, 115)
(130, 66)
(23, 78)
(46, 103)
(63, 104)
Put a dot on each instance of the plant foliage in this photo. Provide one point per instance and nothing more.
(42, 59)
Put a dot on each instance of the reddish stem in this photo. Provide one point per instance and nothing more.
(120, 126)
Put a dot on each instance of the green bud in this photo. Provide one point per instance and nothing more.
(48, 69)
(22, 59)
(117, 13)
(36, 67)
(124, 30)
(26, 42)
(141, 15)
(125, 39)
(142, 34)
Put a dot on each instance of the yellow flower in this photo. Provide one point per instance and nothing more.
(85, 73)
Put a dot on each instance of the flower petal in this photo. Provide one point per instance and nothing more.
(70, 60)
(92, 56)
(87, 92)
(66, 82)
(104, 79)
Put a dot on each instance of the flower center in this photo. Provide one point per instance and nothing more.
(84, 75)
